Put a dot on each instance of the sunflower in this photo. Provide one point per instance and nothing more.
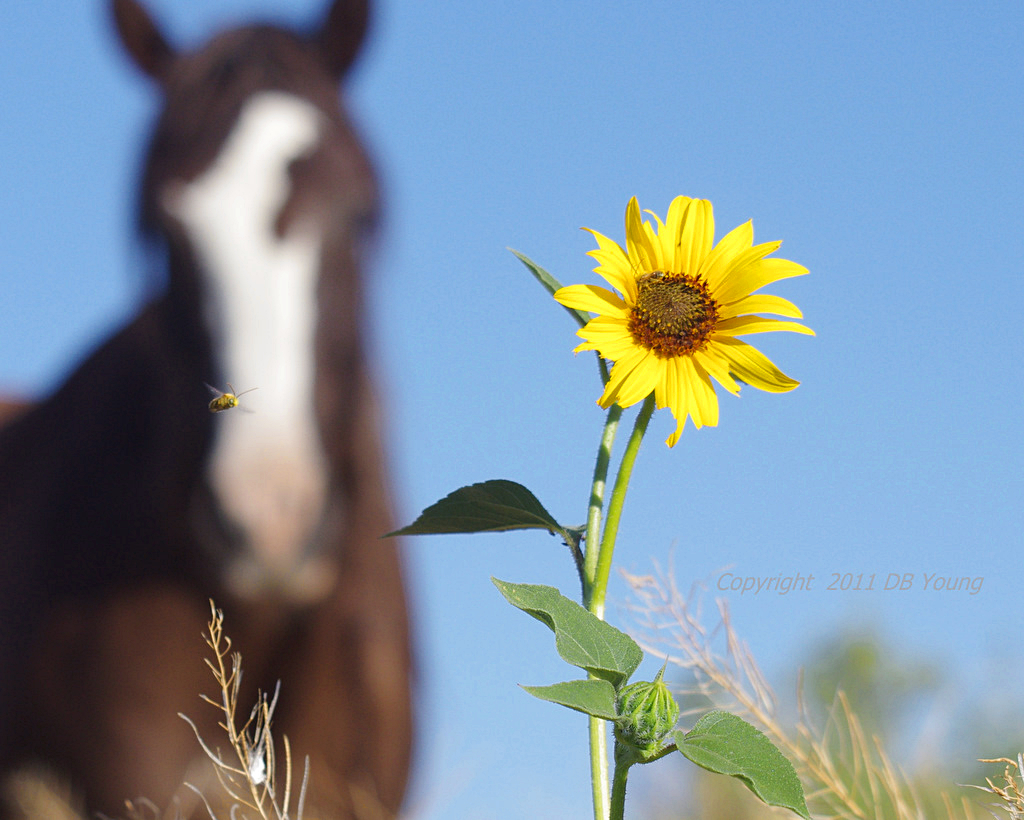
(683, 302)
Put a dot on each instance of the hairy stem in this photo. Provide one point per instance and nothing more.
(599, 767)
(618, 804)
(597, 567)
(598, 732)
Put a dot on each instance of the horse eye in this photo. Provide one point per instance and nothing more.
(224, 72)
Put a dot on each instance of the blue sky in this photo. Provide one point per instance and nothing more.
(880, 141)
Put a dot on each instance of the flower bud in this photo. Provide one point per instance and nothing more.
(647, 713)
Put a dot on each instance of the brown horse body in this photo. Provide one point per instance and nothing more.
(126, 506)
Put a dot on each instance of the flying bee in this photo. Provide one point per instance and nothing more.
(225, 401)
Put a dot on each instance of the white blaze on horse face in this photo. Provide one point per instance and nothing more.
(267, 470)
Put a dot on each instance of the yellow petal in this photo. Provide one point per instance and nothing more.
(658, 260)
(696, 236)
(613, 265)
(638, 242)
(679, 401)
(621, 373)
(642, 380)
(664, 243)
(756, 275)
(694, 397)
(752, 366)
(608, 336)
(666, 388)
(593, 299)
(606, 326)
(724, 288)
(671, 440)
(604, 243)
(738, 325)
(657, 219)
(718, 263)
(701, 395)
(717, 367)
(674, 217)
(760, 303)
(706, 399)
(688, 380)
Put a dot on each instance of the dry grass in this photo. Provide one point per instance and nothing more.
(1011, 794)
(248, 773)
(245, 786)
(846, 772)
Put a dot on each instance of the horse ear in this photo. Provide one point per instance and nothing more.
(343, 32)
(141, 38)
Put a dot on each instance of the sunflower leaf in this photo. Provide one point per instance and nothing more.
(551, 284)
(595, 697)
(490, 506)
(726, 744)
(581, 638)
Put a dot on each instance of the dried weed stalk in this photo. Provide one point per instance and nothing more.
(846, 773)
(248, 777)
(1011, 794)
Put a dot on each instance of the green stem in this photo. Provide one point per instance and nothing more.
(611, 526)
(599, 766)
(618, 804)
(598, 731)
(597, 567)
(597, 488)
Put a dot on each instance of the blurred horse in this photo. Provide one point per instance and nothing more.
(11, 408)
(125, 505)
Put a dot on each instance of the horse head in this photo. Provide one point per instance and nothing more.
(127, 505)
(263, 193)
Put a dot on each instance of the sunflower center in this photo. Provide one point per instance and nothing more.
(674, 314)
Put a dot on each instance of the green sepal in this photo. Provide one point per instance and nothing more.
(647, 714)
(726, 744)
(595, 697)
(582, 639)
